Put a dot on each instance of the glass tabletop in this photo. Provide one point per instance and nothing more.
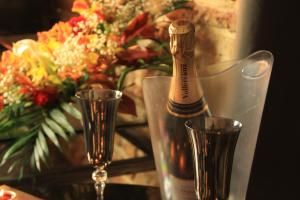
(85, 191)
(74, 182)
(132, 154)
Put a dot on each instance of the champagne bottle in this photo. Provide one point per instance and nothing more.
(186, 102)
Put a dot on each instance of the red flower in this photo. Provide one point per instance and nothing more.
(1, 102)
(101, 79)
(26, 90)
(75, 20)
(74, 23)
(45, 96)
(138, 27)
(40, 97)
(100, 15)
(127, 106)
(147, 31)
(134, 53)
(179, 14)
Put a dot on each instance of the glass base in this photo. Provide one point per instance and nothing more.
(99, 176)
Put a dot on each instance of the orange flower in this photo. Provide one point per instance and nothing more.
(114, 37)
(83, 40)
(80, 5)
(2, 68)
(7, 59)
(27, 86)
(59, 32)
(69, 73)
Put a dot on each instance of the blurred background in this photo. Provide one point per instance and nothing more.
(226, 30)
(29, 16)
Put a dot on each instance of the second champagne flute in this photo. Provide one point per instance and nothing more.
(99, 111)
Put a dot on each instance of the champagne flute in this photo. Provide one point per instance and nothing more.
(213, 140)
(99, 111)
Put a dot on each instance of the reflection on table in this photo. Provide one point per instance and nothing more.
(85, 191)
(74, 182)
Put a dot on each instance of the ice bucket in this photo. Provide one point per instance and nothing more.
(236, 90)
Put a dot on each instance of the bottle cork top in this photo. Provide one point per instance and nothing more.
(181, 27)
(182, 36)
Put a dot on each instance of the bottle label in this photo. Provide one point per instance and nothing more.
(187, 110)
(182, 189)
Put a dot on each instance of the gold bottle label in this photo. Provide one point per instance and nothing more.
(186, 95)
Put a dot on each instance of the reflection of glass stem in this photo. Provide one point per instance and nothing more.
(100, 176)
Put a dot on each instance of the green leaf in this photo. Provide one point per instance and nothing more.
(37, 158)
(61, 119)
(176, 5)
(43, 143)
(23, 120)
(51, 135)
(16, 146)
(18, 157)
(56, 128)
(2, 116)
(123, 76)
(28, 104)
(32, 161)
(12, 166)
(72, 110)
(14, 133)
(39, 150)
(21, 173)
(101, 26)
(69, 87)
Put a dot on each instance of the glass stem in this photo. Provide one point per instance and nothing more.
(100, 176)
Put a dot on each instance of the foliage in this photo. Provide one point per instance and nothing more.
(101, 45)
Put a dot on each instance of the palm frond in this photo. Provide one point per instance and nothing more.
(72, 110)
(51, 135)
(36, 158)
(14, 133)
(16, 146)
(14, 124)
(21, 172)
(54, 125)
(42, 141)
(50, 124)
(13, 165)
(39, 148)
(56, 128)
(61, 119)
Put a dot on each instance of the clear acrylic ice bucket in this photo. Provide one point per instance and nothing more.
(236, 90)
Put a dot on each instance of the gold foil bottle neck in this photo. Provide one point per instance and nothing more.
(182, 34)
(181, 27)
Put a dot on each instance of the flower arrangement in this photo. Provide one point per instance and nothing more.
(101, 45)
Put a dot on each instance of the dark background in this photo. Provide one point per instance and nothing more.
(27, 16)
(275, 168)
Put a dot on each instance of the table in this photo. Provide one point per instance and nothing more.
(85, 191)
(75, 182)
